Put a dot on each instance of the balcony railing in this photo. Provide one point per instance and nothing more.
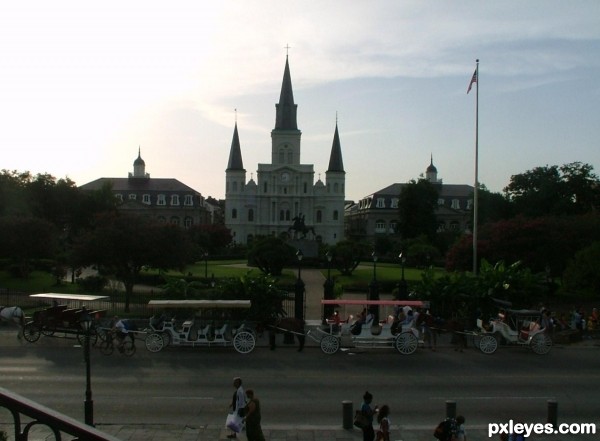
(26, 414)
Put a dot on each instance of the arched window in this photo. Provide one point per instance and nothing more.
(250, 215)
(319, 216)
(234, 213)
(335, 215)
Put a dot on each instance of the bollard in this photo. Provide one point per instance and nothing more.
(450, 409)
(347, 417)
(553, 412)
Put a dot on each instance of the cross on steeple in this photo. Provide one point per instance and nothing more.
(287, 49)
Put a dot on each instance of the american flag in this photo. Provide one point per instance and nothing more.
(473, 80)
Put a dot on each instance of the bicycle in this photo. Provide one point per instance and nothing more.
(127, 347)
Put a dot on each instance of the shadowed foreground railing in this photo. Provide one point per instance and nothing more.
(36, 414)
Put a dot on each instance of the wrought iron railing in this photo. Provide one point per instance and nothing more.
(27, 414)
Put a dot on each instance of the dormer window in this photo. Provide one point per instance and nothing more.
(161, 200)
(380, 203)
(132, 196)
(188, 200)
(174, 199)
(146, 199)
(456, 204)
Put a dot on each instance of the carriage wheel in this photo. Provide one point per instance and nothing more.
(31, 332)
(488, 344)
(406, 343)
(244, 342)
(330, 344)
(540, 343)
(93, 337)
(128, 347)
(106, 346)
(154, 342)
(48, 332)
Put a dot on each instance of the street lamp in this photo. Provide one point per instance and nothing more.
(374, 289)
(402, 286)
(328, 289)
(86, 323)
(299, 290)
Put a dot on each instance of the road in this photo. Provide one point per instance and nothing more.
(193, 387)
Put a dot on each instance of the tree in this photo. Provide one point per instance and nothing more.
(552, 190)
(23, 239)
(582, 274)
(210, 238)
(271, 254)
(347, 255)
(417, 204)
(123, 244)
(492, 207)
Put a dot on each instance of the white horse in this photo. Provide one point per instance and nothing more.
(13, 314)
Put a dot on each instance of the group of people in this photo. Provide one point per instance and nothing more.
(245, 412)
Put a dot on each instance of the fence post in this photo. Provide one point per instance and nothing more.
(347, 418)
(450, 409)
(553, 412)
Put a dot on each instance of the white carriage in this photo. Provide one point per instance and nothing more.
(203, 330)
(404, 337)
(520, 327)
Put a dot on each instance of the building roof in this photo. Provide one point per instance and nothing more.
(235, 153)
(285, 118)
(447, 190)
(140, 184)
(336, 164)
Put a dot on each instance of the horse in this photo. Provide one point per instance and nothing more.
(13, 314)
(289, 326)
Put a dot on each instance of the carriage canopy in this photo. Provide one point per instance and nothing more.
(200, 304)
(59, 296)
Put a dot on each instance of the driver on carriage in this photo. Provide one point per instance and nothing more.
(121, 331)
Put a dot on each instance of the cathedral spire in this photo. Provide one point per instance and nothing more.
(285, 118)
(235, 154)
(336, 164)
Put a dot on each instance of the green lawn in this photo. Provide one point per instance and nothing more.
(361, 277)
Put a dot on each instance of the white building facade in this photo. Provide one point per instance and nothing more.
(285, 192)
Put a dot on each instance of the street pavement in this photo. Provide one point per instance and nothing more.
(313, 280)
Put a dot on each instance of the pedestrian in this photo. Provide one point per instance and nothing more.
(238, 403)
(368, 412)
(461, 434)
(429, 336)
(383, 433)
(252, 418)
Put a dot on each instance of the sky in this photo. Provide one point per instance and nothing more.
(83, 85)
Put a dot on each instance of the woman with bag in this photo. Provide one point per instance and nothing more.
(238, 403)
(383, 433)
(368, 412)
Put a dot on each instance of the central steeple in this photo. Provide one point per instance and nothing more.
(285, 118)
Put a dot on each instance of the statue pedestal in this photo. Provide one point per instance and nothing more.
(309, 248)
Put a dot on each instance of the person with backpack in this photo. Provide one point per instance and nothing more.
(368, 412)
(446, 430)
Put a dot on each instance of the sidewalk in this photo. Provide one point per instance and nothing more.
(275, 433)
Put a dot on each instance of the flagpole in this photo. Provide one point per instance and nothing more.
(476, 188)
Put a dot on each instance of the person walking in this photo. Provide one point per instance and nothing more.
(252, 418)
(368, 412)
(238, 403)
(383, 433)
(461, 434)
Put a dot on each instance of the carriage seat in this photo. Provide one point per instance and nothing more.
(220, 333)
(203, 333)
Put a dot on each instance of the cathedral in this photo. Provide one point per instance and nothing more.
(285, 201)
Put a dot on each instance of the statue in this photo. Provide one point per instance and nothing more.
(299, 227)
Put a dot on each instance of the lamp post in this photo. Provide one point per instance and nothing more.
(206, 266)
(86, 323)
(299, 290)
(402, 286)
(374, 289)
(328, 289)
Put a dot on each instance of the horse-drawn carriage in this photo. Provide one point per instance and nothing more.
(520, 327)
(62, 318)
(214, 323)
(389, 333)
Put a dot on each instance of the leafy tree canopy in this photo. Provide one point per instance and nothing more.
(417, 204)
